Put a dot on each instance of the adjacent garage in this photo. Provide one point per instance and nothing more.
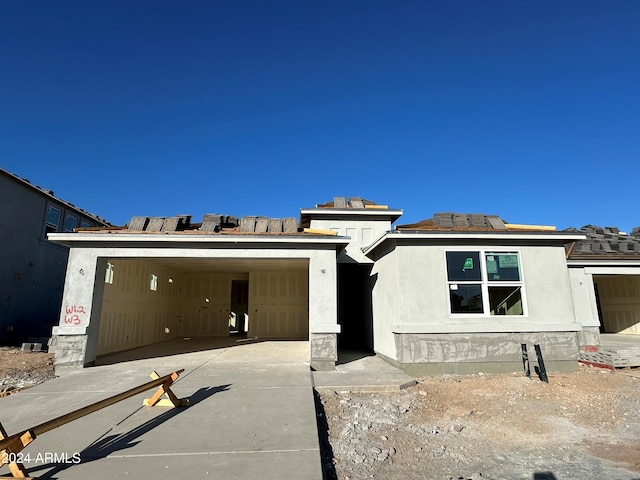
(618, 303)
(604, 270)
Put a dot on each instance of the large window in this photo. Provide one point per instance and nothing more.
(485, 283)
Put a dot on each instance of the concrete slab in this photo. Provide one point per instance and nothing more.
(252, 416)
(619, 340)
(362, 372)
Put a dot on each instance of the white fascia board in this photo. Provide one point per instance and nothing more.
(71, 238)
(454, 235)
(372, 212)
(613, 263)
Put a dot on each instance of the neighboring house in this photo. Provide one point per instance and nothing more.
(32, 268)
(456, 293)
(604, 269)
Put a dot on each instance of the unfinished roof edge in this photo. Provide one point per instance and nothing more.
(607, 243)
(50, 194)
(352, 206)
(449, 221)
(443, 234)
(214, 223)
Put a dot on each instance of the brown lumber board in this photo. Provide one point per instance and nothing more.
(519, 226)
(598, 365)
(94, 407)
(320, 231)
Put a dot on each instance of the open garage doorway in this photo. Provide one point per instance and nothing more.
(150, 301)
(618, 303)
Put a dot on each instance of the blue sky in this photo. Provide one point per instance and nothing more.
(525, 109)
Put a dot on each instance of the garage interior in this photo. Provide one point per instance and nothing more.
(152, 300)
(618, 302)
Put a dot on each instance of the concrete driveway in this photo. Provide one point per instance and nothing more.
(251, 416)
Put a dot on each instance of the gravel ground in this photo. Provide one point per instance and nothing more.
(582, 425)
(19, 370)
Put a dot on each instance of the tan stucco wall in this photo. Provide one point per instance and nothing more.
(386, 303)
(420, 302)
(362, 232)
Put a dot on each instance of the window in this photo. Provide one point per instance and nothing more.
(53, 219)
(485, 283)
(70, 222)
(153, 282)
(85, 224)
(108, 276)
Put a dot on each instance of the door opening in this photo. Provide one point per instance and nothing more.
(354, 307)
(239, 308)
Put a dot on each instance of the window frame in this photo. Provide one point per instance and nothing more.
(485, 283)
(54, 226)
(70, 216)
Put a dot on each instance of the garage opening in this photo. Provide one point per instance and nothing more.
(149, 301)
(618, 302)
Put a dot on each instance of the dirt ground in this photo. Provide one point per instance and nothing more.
(582, 425)
(20, 370)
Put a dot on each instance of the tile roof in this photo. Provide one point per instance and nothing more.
(607, 242)
(211, 223)
(471, 222)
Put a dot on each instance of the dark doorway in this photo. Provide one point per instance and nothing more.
(354, 307)
(239, 307)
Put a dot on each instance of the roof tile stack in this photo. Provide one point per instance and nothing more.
(607, 241)
(458, 221)
(348, 202)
